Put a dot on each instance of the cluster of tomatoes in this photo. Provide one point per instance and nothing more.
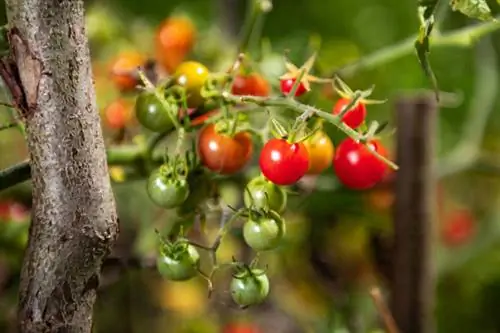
(225, 145)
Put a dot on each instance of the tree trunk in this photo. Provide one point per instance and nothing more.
(74, 222)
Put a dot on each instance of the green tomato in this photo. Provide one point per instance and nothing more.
(151, 113)
(167, 191)
(263, 194)
(249, 287)
(178, 262)
(264, 232)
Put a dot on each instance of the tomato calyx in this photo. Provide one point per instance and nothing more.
(296, 81)
(262, 194)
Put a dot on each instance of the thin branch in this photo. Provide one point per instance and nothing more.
(15, 174)
(7, 126)
(383, 310)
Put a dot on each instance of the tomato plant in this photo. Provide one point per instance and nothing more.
(355, 116)
(152, 114)
(263, 231)
(356, 167)
(191, 75)
(117, 114)
(282, 162)
(166, 188)
(123, 69)
(199, 184)
(287, 85)
(222, 153)
(320, 149)
(178, 261)
(252, 84)
(459, 227)
(249, 286)
(174, 39)
(261, 194)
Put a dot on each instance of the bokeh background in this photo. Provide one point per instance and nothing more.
(335, 248)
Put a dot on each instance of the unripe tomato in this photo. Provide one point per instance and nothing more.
(117, 114)
(178, 262)
(192, 76)
(261, 194)
(282, 162)
(152, 114)
(249, 287)
(355, 116)
(252, 84)
(321, 152)
(264, 232)
(356, 167)
(287, 85)
(167, 190)
(173, 41)
(224, 154)
(123, 67)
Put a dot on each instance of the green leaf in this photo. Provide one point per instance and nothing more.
(426, 10)
(477, 9)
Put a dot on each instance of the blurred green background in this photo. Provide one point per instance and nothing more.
(335, 247)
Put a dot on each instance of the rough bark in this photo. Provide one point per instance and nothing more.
(74, 220)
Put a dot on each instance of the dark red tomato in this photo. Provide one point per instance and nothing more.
(284, 163)
(224, 154)
(459, 227)
(241, 328)
(287, 85)
(355, 116)
(252, 84)
(356, 167)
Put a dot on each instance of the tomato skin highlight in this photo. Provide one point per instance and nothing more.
(352, 118)
(252, 84)
(284, 163)
(122, 68)
(287, 85)
(357, 168)
(192, 76)
(174, 39)
(224, 154)
(321, 152)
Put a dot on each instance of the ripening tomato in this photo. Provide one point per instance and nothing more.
(287, 85)
(282, 162)
(224, 154)
(201, 119)
(321, 150)
(174, 39)
(123, 70)
(118, 114)
(356, 167)
(459, 227)
(355, 116)
(252, 84)
(192, 76)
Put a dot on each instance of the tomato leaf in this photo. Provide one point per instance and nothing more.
(426, 9)
(477, 9)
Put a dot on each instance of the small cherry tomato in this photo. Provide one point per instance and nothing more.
(173, 41)
(11, 211)
(222, 153)
(263, 231)
(117, 114)
(178, 261)
(459, 227)
(201, 119)
(192, 76)
(199, 191)
(166, 189)
(282, 162)
(356, 167)
(241, 327)
(261, 194)
(355, 116)
(321, 152)
(152, 114)
(249, 287)
(252, 84)
(123, 70)
(287, 85)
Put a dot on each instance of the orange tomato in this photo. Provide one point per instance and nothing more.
(122, 69)
(173, 41)
(321, 151)
(117, 114)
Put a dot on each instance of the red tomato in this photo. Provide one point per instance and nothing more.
(355, 116)
(224, 154)
(12, 211)
(284, 163)
(174, 40)
(459, 227)
(241, 328)
(356, 167)
(252, 84)
(117, 114)
(200, 120)
(123, 67)
(287, 85)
